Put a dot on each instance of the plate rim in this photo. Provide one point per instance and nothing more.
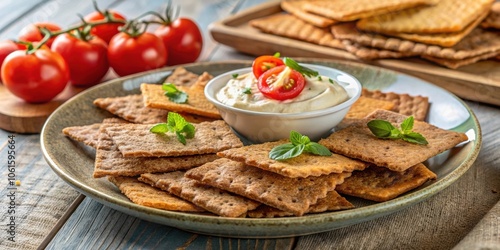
(316, 222)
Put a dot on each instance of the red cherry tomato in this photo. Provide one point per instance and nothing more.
(263, 63)
(288, 88)
(87, 60)
(6, 47)
(128, 55)
(183, 41)
(105, 31)
(31, 33)
(36, 77)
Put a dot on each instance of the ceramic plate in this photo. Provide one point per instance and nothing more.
(74, 162)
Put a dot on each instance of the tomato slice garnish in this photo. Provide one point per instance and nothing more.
(272, 84)
(263, 63)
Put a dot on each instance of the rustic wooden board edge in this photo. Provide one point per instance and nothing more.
(235, 32)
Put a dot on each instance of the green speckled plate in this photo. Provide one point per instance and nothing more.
(74, 162)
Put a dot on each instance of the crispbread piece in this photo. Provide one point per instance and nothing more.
(294, 195)
(478, 42)
(296, 8)
(135, 140)
(332, 202)
(202, 81)
(110, 162)
(88, 134)
(212, 199)
(145, 195)
(358, 142)
(417, 106)
(365, 105)
(131, 108)
(197, 103)
(492, 21)
(441, 39)
(454, 64)
(287, 25)
(381, 184)
(182, 77)
(367, 53)
(348, 10)
(445, 16)
(304, 165)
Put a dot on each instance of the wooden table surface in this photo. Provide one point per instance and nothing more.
(48, 213)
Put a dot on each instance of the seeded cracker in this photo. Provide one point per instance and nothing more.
(88, 134)
(212, 199)
(447, 16)
(182, 77)
(197, 103)
(304, 165)
(145, 195)
(131, 108)
(287, 25)
(365, 105)
(349, 10)
(296, 8)
(358, 142)
(381, 184)
(135, 140)
(332, 202)
(294, 195)
(417, 106)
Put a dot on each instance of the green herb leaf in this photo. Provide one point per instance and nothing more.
(173, 94)
(385, 130)
(296, 66)
(175, 124)
(298, 144)
(247, 91)
(235, 76)
(277, 55)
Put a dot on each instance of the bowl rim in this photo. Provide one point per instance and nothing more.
(313, 113)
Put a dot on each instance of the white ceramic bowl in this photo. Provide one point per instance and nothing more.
(264, 126)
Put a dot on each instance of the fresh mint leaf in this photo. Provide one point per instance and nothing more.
(298, 144)
(175, 124)
(296, 66)
(385, 130)
(173, 94)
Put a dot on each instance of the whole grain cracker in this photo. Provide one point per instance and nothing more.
(131, 108)
(294, 195)
(381, 184)
(110, 162)
(478, 42)
(296, 8)
(88, 134)
(154, 97)
(212, 199)
(358, 142)
(287, 25)
(332, 202)
(417, 106)
(145, 195)
(365, 105)
(446, 16)
(368, 53)
(349, 10)
(492, 21)
(182, 77)
(454, 64)
(304, 165)
(135, 140)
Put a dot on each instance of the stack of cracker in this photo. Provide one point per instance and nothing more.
(446, 32)
(215, 174)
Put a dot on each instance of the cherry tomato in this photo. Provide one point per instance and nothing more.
(36, 77)
(105, 31)
(6, 47)
(288, 87)
(87, 60)
(263, 63)
(128, 54)
(31, 33)
(183, 40)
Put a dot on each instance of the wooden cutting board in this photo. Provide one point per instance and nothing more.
(19, 116)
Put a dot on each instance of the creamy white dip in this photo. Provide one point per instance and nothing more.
(319, 93)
